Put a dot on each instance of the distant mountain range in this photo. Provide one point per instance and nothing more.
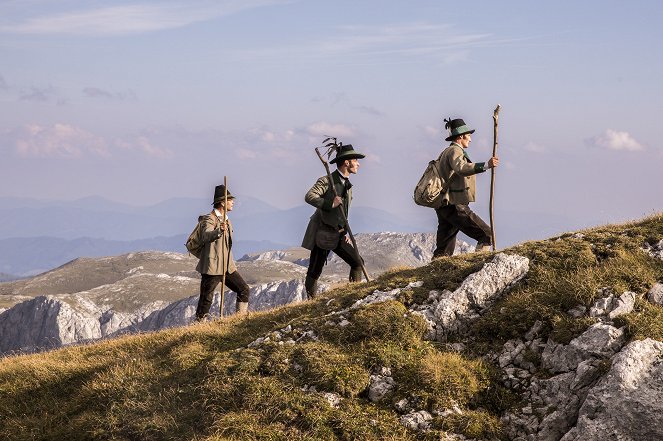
(36, 235)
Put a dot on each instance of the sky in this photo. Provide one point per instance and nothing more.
(142, 101)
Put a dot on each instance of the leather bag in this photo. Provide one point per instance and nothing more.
(327, 237)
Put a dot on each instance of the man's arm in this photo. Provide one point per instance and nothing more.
(320, 197)
(463, 167)
(212, 230)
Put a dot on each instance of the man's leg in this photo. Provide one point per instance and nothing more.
(207, 285)
(346, 251)
(315, 265)
(447, 229)
(472, 225)
(236, 283)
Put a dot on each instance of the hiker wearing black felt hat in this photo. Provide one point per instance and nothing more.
(457, 169)
(326, 230)
(216, 264)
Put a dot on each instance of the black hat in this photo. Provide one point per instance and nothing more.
(219, 194)
(456, 127)
(346, 152)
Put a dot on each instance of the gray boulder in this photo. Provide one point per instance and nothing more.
(655, 294)
(627, 403)
(448, 312)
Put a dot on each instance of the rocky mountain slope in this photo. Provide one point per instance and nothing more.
(92, 298)
(554, 340)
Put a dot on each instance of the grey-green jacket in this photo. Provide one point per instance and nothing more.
(321, 197)
(455, 163)
(217, 253)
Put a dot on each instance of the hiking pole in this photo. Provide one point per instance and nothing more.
(492, 176)
(345, 219)
(224, 264)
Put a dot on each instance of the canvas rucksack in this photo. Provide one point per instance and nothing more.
(194, 244)
(432, 187)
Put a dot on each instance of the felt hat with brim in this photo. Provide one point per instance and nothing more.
(220, 194)
(346, 152)
(456, 127)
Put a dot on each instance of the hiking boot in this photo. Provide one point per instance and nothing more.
(355, 274)
(483, 247)
(203, 318)
(242, 308)
(311, 285)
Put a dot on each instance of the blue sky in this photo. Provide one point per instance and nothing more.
(139, 102)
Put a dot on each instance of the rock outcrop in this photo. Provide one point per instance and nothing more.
(626, 403)
(577, 399)
(450, 312)
(48, 322)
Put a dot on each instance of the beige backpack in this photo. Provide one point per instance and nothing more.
(432, 187)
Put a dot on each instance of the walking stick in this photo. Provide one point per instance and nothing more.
(224, 264)
(345, 219)
(492, 176)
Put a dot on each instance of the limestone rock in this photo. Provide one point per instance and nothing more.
(450, 310)
(599, 341)
(381, 384)
(417, 420)
(612, 306)
(655, 294)
(626, 404)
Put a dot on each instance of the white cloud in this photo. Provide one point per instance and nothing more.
(322, 129)
(534, 147)
(242, 153)
(59, 140)
(431, 132)
(3, 83)
(144, 145)
(132, 18)
(390, 43)
(615, 140)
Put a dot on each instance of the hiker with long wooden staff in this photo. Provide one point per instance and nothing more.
(458, 172)
(328, 228)
(492, 177)
(224, 260)
(216, 264)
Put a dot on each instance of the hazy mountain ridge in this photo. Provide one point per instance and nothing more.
(94, 227)
(149, 290)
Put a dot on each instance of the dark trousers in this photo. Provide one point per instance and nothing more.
(208, 283)
(343, 250)
(454, 218)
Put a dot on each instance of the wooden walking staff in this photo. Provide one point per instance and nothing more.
(492, 175)
(340, 207)
(224, 264)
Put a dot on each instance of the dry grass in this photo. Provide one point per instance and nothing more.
(203, 383)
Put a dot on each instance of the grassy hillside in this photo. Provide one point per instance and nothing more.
(202, 382)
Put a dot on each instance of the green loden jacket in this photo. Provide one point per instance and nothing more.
(455, 163)
(321, 197)
(218, 247)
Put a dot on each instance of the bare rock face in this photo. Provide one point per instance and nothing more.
(556, 402)
(627, 403)
(598, 341)
(48, 322)
(607, 308)
(449, 312)
(655, 294)
(655, 249)
(44, 323)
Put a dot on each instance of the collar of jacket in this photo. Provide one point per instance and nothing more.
(463, 150)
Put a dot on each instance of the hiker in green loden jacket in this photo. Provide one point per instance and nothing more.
(455, 215)
(327, 219)
(217, 258)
